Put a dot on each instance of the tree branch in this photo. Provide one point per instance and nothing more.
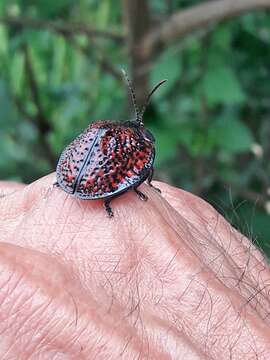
(194, 18)
(64, 29)
(137, 21)
(94, 52)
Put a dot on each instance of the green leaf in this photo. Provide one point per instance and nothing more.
(7, 116)
(222, 38)
(103, 14)
(221, 86)
(3, 41)
(58, 60)
(166, 143)
(255, 224)
(232, 135)
(168, 66)
(52, 8)
(17, 72)
(185, 134)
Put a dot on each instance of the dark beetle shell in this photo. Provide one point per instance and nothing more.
(107, 159)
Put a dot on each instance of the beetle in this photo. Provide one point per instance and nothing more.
(109, 158)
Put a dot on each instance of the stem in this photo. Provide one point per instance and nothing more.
(194, 18)
(65, 29)
(137, 20)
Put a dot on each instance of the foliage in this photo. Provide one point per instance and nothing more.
(211, 120)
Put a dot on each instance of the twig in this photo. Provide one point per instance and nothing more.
(42, 122)
(107, 66)
(137, 20)
(187, 21)
(39, 120)
(47, 152)
(99, 57)
(65, 29)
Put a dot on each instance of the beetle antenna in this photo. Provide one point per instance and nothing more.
(149, 97)
(133, 96)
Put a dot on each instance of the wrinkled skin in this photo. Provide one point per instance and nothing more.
(164, 279)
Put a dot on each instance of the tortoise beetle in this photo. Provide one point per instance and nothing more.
(109, 158)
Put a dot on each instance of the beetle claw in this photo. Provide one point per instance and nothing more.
(149, 180)
(141, 195)
(155, 188)
(108, 208)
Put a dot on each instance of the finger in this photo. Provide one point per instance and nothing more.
(54, 219)
(57, 222)
(196, 215)
(143, 264)
(46, 312)
(7, 187)
(104, 260)
(49, 220)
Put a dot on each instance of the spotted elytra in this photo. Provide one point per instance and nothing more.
(109, 158)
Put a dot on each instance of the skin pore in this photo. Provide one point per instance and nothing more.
(164, 279)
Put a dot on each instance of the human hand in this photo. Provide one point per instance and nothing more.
(164, 279)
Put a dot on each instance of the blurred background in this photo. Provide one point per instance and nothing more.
(60, 64)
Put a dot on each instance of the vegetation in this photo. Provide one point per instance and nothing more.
(60, 69)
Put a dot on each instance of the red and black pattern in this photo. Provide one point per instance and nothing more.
(105, 160)
(109, 158)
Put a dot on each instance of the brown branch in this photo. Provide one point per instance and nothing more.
(187, 21)
(137, 21)
(65, 29)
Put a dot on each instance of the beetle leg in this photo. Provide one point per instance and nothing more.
(149, 180)
(55, 184)
(141, 195)
(108, 208)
